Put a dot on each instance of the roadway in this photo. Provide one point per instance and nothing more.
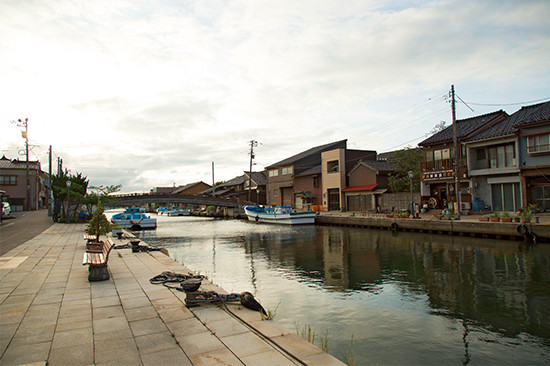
(22, 227)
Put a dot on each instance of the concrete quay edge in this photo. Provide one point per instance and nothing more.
(51, 314)
(467, 225)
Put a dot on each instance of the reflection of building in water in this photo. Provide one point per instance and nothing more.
(350, 260)
(493, 285)
(334, 260)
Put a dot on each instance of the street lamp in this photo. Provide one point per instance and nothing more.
(411, 174)
(68, 198)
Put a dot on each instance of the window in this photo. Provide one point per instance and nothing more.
(506, 197)
(287, 170)
(315, 182)
(8, 179)
(503, 156)
(429, 155)
(510, 155)
(540, 194)
(437, 155)
(445, 154)
(274, 172)
(493, 157)
(332, 167)
(481, 155)
(538, 144)
(275, 192)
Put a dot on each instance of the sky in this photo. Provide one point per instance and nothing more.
(151, 93)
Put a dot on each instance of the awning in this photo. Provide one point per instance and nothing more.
(307, 194)
(360, 188)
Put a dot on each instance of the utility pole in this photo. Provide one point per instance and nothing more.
(455, 141)
(253, 144)
(50, 197)
(25, 123)
(213, 184)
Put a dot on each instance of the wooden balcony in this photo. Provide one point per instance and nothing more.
(441, 165)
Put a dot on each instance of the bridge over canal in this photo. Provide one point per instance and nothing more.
(141, 199)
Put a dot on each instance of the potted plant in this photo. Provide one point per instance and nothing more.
(506, 217)
(494, 217)
(526, 215)
(484, 218)
(99, 224)
(517, 219)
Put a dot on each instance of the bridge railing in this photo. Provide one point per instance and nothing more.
(143, 198)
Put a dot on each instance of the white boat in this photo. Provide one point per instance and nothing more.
(176, 211)
(279, 215)
(134, 219)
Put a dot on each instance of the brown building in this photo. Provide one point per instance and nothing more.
(367, 181)
(13, 176)
(238, 188)
(282, 177)
(340, 187)
(191, 188)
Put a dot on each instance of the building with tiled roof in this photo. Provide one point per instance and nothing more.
(282, 177)
(533, 131)
(438, 168)
(13, 176)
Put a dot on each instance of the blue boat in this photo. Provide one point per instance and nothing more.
(134, 218)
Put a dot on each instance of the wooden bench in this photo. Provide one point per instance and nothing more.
(96, 257)
(90, 238)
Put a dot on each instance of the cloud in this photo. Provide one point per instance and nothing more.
(157, 91)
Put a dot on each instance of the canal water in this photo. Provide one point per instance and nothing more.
(377, 297)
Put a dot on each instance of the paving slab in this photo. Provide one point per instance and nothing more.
(51, 314)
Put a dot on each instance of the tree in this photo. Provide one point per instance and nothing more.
(99, 224)
(79, 186)
(101, 193)
(404, 161)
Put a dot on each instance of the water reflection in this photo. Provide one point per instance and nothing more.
(405, 298)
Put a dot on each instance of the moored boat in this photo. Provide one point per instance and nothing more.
(279, 215)
(176, 211)
(134, 219)
(162, 211)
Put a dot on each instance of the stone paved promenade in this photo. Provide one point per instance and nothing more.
(50, 313)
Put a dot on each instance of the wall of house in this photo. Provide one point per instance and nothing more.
(397, 201)
(305, 184)
(333, 180)
(197, 188)
(16, 194)
(526, 160)
(362, 176)
(353, 156)
(276, 185)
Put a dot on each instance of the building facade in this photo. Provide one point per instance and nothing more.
(13, 177)
(533, 133)
(438, 169)
(283, 176)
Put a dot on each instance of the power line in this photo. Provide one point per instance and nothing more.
(508, 104)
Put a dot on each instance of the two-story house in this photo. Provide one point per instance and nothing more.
(13, 180)
(438, 167)
(493, 165)
(367, 181)
(294, 181)
(533, 131)
(334, 173)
